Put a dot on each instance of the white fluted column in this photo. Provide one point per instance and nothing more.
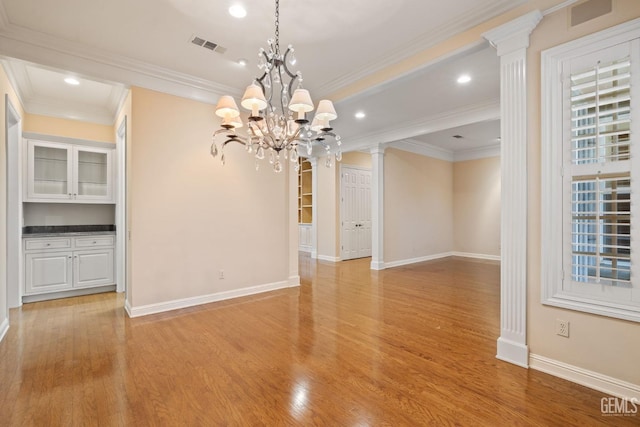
(511, 41)
(377, 208)
(314, 207)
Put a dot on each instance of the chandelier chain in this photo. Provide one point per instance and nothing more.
(278, 27)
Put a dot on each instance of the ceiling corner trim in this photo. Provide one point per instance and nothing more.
(462, 116)
(13, 82)
(477, 153)
(424, 149)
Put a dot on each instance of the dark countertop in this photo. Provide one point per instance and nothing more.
(69, 234)
(66, 230)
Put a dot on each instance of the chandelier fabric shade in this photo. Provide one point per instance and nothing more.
(227, 107)
(279, 106)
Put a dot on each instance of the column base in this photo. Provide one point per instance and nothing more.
(377, 265)
(513, 352)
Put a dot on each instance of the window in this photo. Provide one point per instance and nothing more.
(591, 174)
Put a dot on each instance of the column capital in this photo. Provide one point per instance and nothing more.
(378, 149)
(514, 34)
(313, 161)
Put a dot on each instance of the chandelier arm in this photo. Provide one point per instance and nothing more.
(224, 144)
(219, 131)
(269, 135)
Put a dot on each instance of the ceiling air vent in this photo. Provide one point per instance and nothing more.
(457, 136)
(199, 41)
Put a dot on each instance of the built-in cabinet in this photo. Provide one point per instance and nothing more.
(67, 263)
(68, 173)
(305, 205)
(305, 194)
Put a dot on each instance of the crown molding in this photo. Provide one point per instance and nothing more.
(429, 150)
(477, 153)
(462, 22)
(52, 107)
(424, 149)
(558, 7)
(407, 130)
(12, 80)
(33, 46)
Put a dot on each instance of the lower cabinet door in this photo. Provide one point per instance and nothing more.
(93, 268)
(48, 272)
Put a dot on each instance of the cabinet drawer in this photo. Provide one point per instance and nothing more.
(39, 244)
(96, 241)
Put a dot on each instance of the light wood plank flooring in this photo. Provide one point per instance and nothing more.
(407, 346)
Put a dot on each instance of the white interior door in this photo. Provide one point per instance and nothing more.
(355, 208)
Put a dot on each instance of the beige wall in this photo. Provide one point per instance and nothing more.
(476, 206)
(596, 343)
(190, 216)
(68, 128)
(6, 89)
(356, 158)
(418, 204)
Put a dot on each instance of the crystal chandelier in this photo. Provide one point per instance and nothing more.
(277, 125)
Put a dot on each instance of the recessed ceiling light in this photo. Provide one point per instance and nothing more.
(71, 81)
(360, 115)
(237, 11)
(242, 62)
(464, 78)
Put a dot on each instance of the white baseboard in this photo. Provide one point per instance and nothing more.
(513, 352)
(594, 380)
(314, 254)
(68, 294)
(329, 258)
(391, 264)
(294, 281)
(477, 256)
(127, 307)
(161, 307)
(304, 249)
(4, 327)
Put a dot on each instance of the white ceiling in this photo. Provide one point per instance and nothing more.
(147, 43)
(43, 91)
(425, 101)
(474, 136)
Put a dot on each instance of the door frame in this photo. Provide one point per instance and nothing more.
(342, 168)
(121, 206)
(13, 136)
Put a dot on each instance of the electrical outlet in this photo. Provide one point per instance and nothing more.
(562, 328)
(221, 276)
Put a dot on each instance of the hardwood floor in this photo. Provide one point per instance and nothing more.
(407, 346)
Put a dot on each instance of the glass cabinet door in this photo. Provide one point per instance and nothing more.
(50, 174)
(93, 175)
